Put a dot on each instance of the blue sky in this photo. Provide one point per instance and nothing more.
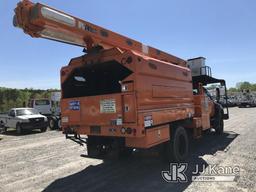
(223, 31)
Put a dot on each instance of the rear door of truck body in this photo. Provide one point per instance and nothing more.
(102, 114)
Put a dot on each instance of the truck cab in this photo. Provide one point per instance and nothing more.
(50, 107)
(214, 108)
(44, 106)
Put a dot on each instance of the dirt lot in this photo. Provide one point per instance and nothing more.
(48, 162)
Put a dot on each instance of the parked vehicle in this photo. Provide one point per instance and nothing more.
(247, 99)
(50, 107)
(123, 94)
(23, 119)
(229, 102)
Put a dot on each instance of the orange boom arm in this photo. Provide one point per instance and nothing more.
(39, 20)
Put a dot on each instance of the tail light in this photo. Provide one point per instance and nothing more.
(127, 86)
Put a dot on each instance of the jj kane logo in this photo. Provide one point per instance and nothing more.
(176, 173)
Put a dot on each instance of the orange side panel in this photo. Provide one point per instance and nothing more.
(154, 136)
(129, 108)
(165, 115)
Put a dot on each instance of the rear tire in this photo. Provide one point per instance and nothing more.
(177, 149)
(52, 123)
(19, 129)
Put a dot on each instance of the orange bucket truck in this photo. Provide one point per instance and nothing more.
(123, 94)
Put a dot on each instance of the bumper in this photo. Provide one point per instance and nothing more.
(109, 131)
(32, 126)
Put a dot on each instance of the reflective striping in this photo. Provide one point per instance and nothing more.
(145, 49)
(58, 17)
(58, 36)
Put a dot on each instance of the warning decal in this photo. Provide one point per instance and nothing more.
(108, 106)
(148, 121)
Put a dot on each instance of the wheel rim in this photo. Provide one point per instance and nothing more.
(51, 123)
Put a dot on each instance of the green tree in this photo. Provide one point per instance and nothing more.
(10, 98)
(232, 90)
(244, 86)
(253, 87)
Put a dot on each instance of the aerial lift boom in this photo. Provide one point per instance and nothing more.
(39, 20)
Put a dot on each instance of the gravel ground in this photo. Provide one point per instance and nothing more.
(48, 162)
